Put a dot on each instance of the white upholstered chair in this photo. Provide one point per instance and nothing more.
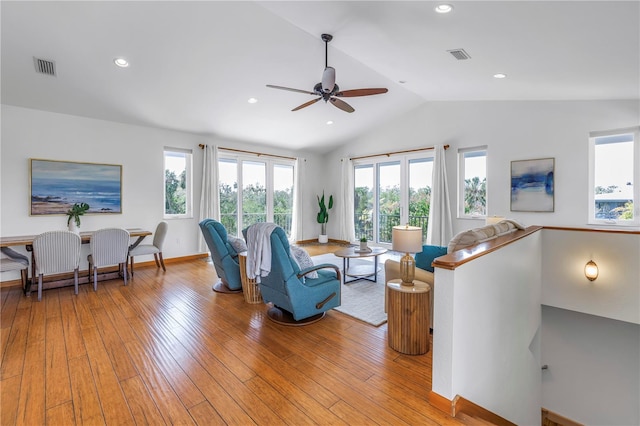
(155, 249)
(56, 252)
(109, 247)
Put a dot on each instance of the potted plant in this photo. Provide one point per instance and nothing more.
(74, 213)
(363, 243)
(323, 217)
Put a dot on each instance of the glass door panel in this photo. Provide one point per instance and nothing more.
(283, 196)
(419, 193)
(363, 200)
(228, 187)
(254, 193)
(388, 199)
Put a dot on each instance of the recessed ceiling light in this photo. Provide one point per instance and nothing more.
(329, 123)
(121, 62)
(499, 75)
(444, 8)
(252, 100)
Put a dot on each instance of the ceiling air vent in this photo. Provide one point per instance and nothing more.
(459, 54)
(45, 67)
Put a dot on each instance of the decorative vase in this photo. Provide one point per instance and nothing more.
(73, 227)
(323, 237)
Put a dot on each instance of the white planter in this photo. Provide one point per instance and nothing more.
(73, 227)
(323, 239)
(363, 246)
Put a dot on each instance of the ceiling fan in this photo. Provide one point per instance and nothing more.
(327, 89)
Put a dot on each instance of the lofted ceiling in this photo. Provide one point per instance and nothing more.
(194, 65)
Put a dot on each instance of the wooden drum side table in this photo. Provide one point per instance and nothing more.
(408, 317)
(250, 288)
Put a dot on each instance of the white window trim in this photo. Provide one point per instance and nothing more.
(189, 181)
(591, 219)
(461, 213)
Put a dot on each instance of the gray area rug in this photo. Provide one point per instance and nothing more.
(363, 300)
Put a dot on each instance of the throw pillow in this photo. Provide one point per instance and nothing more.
(238, 244)
(426, 256)
(303, 260)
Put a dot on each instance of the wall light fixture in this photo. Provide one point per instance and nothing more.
(591, 270)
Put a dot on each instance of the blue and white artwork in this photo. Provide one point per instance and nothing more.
(532, 185)
(57, 185)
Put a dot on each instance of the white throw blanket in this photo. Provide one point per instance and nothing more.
(259, 250)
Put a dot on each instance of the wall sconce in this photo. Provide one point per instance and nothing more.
(591, 270)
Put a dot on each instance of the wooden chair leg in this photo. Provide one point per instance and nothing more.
(75, 280)
(125, 273)
(155, 257)
(95, 278)
(162, 262)
(39, 287)
(131, 266)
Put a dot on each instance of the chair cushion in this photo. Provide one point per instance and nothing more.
(238, 244)
(303, 260)
(426, 256)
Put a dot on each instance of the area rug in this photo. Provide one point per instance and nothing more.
(363, 300)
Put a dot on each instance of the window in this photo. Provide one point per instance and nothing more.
(177, 183)
(614, 170)
(472, 182)
(393, 191)
(255, 190)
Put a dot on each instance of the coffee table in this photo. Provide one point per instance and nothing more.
(359, 272)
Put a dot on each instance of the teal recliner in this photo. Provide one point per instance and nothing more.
(224, 256)
(297, 299)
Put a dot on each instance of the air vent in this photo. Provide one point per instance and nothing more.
(459, 54)
(44, 66)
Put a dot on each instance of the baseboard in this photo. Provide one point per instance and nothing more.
(550, 418)
(462, 405)
(18, 282)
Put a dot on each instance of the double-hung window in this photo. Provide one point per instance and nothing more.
(614, 177)
(472, 182)
(177, 183)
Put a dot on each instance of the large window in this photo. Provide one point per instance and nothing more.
(390, 192)
(614, 177)
(177, 183)
(472, 182)
(255, 190)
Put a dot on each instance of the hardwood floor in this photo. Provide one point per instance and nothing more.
(166, 349)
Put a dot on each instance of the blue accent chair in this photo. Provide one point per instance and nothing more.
(296, 299)
(224, 256)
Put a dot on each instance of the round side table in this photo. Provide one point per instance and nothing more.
(408, 317)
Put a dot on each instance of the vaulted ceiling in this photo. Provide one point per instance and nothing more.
(194, 65)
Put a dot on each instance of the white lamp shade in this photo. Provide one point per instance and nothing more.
(407, 239)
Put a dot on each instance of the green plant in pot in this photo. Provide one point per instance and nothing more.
(363, 243)
(74, 213)
(323, 217)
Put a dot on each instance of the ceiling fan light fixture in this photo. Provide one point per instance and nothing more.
(328, 79)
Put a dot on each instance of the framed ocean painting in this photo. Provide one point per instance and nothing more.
(57, 185)
(532, 185)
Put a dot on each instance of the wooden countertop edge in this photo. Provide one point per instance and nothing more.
(460, 257)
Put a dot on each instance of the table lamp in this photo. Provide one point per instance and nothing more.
(407, 239)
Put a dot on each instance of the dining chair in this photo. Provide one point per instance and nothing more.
(56, 252)
(155, 249)
(15, 262)
(109, 246)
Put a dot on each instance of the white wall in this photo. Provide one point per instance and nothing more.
(486, 331)
(594, 368)
(28, 133)
(512, 131)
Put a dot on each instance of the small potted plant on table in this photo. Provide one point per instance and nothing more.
(363, 244)
(74, 213)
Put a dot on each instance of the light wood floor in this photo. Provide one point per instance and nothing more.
(166, 349)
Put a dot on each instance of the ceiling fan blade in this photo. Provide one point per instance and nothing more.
(361, 92)
(291, 90)
(328, 79)
(341, 104)
(306, 104)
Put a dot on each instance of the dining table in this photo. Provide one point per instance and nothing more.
(6, 244)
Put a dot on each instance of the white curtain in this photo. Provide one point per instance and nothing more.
(296, 214)
(440, 227)
(347, 229)
(209, 195)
